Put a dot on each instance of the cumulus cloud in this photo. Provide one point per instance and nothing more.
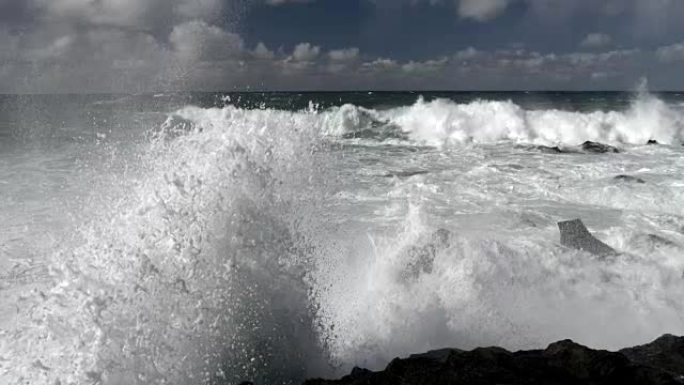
(262, 52)
(149, 45)
(305, 52)
(198, 41)
(109, 45)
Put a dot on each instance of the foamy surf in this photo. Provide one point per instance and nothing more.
(442, 122)
(228, 243)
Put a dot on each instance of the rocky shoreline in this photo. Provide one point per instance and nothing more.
(561, 363)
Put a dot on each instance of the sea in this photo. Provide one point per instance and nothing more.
(216, 238)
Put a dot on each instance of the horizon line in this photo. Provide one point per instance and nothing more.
(161, 93)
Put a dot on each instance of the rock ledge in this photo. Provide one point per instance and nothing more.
(562, 363)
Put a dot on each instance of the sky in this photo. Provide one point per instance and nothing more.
(132, 46)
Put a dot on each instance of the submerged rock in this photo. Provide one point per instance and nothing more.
(651, 242)
(598, 148)
(629, 179)
(562, 363)
(575, 235)
(420, 257)
(550, 150)
(405, 174)
(652, 142)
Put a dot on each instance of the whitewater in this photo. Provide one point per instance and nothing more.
(214, 239)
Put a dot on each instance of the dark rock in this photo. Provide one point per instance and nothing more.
(629, 179)
(405, 174)
(665, 353)
(598, 148)
(562, 363)
(652, 142)
(440, 355)
(359, 372)
(575, 235)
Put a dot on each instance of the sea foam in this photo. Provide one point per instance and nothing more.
(239, 249)
(443, 122)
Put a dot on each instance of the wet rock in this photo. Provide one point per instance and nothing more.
(598, 148)
(420, 257)
(440, 355)
(629, 179)
(405, 174)
(562, 363)
(666, 353)
(576, 236)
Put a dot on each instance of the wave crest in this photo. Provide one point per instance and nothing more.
(442, 122)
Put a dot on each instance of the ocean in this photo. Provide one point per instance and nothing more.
(214, 238)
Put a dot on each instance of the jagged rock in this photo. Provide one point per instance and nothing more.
(598, 148)
(562, 363)
(629, 179)
(575, 235)
(665, 353)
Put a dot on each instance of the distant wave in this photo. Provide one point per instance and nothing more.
(443, 122)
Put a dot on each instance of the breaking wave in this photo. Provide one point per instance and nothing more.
(220, 260)
(195, 274)
(443, 122)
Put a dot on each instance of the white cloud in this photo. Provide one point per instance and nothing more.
(144, 14)
(305, 52)
(671, 53)
(262, 52)
(105, 12)
(425, 67)
(596, 40)
(347, 54)
(466, 54)
(199, 41)
(381, 64)
(127, 45)
(482, 10)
